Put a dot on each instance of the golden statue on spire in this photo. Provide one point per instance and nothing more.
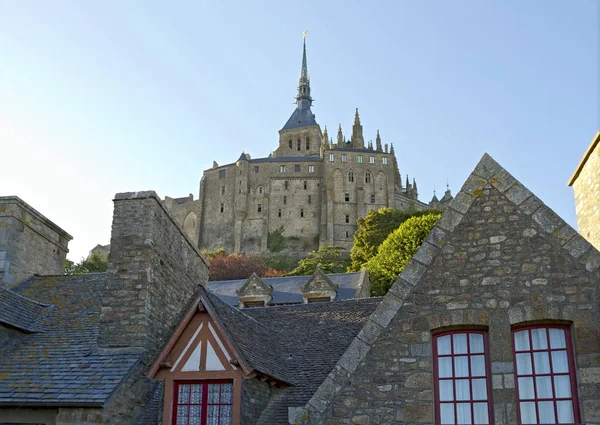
(304, 34)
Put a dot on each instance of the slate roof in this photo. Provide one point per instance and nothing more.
(59, 364)
(286, 290)
(301, 117)
(21, 312)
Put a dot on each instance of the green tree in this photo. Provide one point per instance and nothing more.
(373, 230)
(327, 258)
(94, 263)
(397, 250)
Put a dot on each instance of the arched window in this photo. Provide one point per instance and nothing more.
(351, 176)
(367, 177)
(290, 143)
(299, 144)
(260, 189)
(307, 143)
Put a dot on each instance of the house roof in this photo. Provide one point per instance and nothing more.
(21, 312)
(585, 157)
(286, 290)
(59, 364)
(301, 117)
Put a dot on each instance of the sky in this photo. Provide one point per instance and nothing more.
(98, 98)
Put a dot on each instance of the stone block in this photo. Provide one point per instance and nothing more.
(450, 219)
(413, 272)
(419, 381)
(370, 332)
(321, 399)
(437, 237)
(591, 260)
(487, 167)
(577, 246)
(547, 219)
(461, 202)
(502, 180)
(387, 310)
(354, 354)
(590, 375)
(426, 253)
(474, 185)
(517, 193)
(530, 205)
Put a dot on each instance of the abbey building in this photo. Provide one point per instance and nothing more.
(307, 193)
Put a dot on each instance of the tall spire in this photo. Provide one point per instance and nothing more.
(340, 137)
(358, 140)
(304, 80)
(378, 142)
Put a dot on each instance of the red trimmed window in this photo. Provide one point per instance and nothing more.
(203, 403)
(545, 375)
(462, 378)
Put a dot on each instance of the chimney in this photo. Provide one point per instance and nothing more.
(153, 271)
(29, 243)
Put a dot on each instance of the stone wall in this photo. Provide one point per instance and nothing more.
(586, 185)
(29, 243)
(255, 397)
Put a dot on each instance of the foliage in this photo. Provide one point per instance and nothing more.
(225, 266)
(327, 258)
(209, 255)
(271, 272)
(397, 250)
(372, 231)
(94, 263)
(281, 263)
(276, 240)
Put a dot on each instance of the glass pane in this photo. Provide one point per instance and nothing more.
(182, 415)
(226, 412)
(543, 385)
(479, 389)
(546, 412)
(213, 393)
(184, 394)
(443, 344)
(562, 386)
(445, 367)
(195, 415)
(226, 393)
(446, 390)
(526, 389)
(460, 343)
(447, 413)
(524, 364)
(541, 362)
(196, 394)
(212, 417)
(480, 413)
(476, 341)
(528, 413)
(565, 412)
(522, 340)
(557, 338)
(463, 413)
(538, 338)
(559, 361)
(477, 366)
(461, 366)
(463, 389)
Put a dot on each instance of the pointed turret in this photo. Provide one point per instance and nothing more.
(324, 142)
(340, 137)
(415, 190)
(357, 140)
(392, 148)
(378, 142)
(434, 199)
(304, 80)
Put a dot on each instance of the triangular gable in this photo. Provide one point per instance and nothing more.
(487, 175)
(254, 286)
(319, 283)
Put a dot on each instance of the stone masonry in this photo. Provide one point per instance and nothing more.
(498, 257)
(29, 243)
(586, 186)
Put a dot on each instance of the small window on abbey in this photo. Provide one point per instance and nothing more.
(222, 190)
(290, 144)
(255, 169)
(297, 168)
(309, 199)
(222, 173)
(260, 189)
(385, 160)
(344, 157)
(371, 160)
(305, 185)
(259, 208)
(347, 234)
(282, 168)
(311, 168)
(367, 177)
(301, 212)
(285, 200)
(299, 145)
(286, 185)
(331, 157)
(372, 199)
(359, 159)
(347, 218)
(347, 197)
(221, 207)
(350, 176)
(279, 213)
(307, 143)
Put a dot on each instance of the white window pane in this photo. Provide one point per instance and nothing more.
(476, 342)
(445, 367)
(226, 393)
(460, 343)
(446, 390)
(522, 340)
(461, 366)
(196, 394)
(463, 413)
(463, 389)
(565, 412)
(184, 394)
(477, 366)
(543, 385)
(562, 386)
(443, 344)
(226, 414)
(182, 415)
(480, 413)
(447, 413)
(541, 362)
(528, 413)
(559, 361)
(195, 415)
(212, 417)
(546, 412)
(524, 364)
(538, 338)
(557, 338)
(479, 389)
(213, 393)
(526, 389)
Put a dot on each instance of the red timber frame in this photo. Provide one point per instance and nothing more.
(574, 398)
(468, 354)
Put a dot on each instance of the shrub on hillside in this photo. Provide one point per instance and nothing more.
(327, 258)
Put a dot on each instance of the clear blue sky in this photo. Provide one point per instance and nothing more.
(104, 97)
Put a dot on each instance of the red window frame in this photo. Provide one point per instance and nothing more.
(454, 378)
(204, 399)
(571, 371)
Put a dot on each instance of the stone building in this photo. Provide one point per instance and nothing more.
(494, 320)
(586, 186)
(312, 188)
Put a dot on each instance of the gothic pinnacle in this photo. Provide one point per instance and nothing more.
(378, 142)
(340, 136)
(304, 80)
